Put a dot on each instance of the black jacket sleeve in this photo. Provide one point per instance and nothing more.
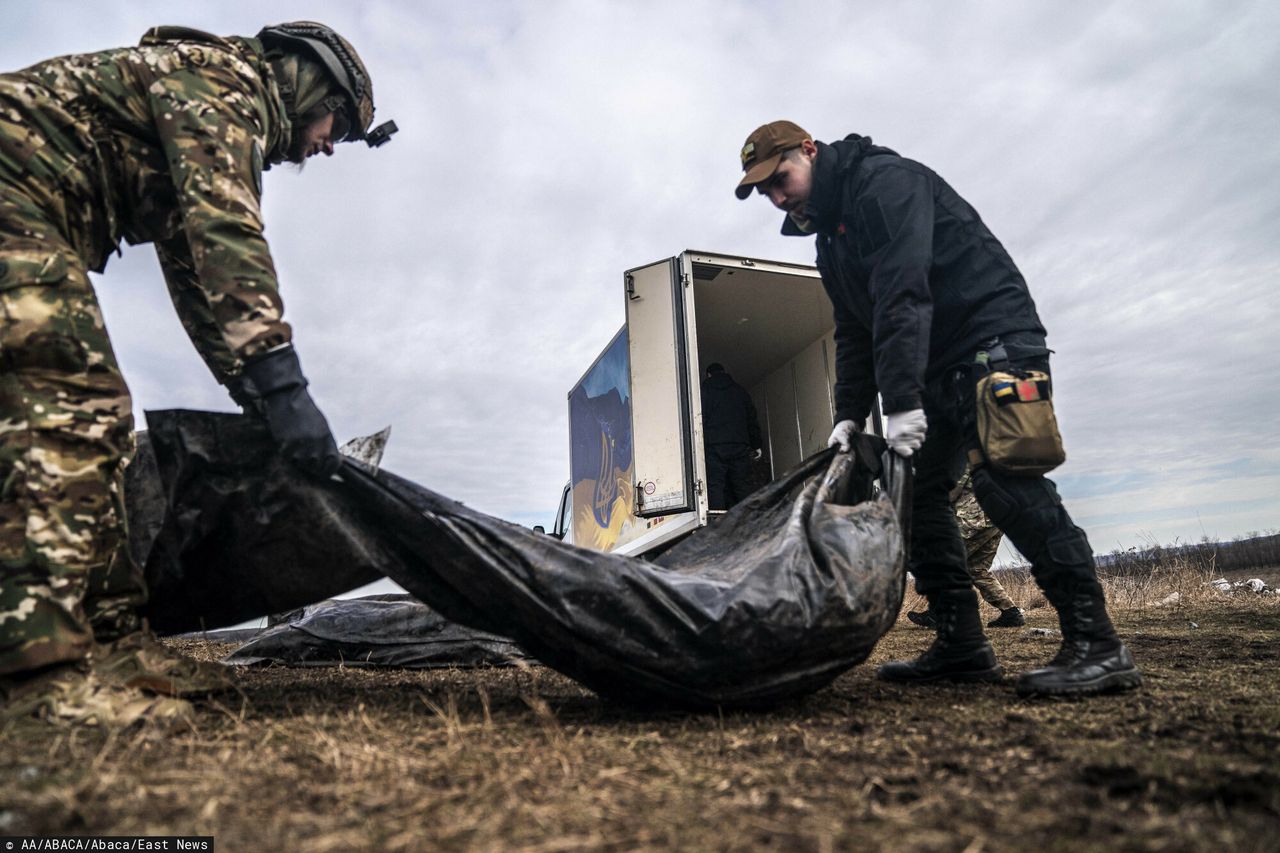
(855, 387)
(893, 229)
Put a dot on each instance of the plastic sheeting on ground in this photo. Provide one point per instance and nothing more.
(377, 630)
(792, 587)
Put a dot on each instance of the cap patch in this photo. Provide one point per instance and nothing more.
(748, 151)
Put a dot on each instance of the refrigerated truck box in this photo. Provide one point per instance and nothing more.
(637, 467)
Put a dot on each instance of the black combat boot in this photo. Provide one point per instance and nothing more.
(1092, 658)
(1012, 617)
(960, 651)
(923, 618)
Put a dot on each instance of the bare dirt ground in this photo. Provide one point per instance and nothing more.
(524, 759)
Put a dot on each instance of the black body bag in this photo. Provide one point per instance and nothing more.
(792, 587)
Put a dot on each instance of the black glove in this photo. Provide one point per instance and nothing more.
(292, 417)
(236, 388)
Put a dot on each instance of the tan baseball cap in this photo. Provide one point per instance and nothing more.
(763, 150)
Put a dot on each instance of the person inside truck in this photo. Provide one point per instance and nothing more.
(166, 143)
(731, 438)
(929, 309)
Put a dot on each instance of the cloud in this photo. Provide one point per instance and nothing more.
(458, 281)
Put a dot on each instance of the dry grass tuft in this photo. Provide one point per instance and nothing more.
(1172, 582)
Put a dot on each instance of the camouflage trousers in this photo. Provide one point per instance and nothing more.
(66, 432)
(981, 541)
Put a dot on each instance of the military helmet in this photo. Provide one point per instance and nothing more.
(343, 64)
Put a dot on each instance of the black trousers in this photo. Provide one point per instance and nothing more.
(1027, 509)
(730, 474)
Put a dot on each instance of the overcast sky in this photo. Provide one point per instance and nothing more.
(455, 283)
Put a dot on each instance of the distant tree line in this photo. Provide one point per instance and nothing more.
(1252, 551)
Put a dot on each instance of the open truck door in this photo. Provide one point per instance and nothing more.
(662, 429)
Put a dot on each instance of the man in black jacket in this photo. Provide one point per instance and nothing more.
(731, 437)
(926, 300)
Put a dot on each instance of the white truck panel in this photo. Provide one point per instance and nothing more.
(813, 398)
(659, 390)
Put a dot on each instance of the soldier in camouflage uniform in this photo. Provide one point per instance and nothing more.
(163, 143)
(981, 541)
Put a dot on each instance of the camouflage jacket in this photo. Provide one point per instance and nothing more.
(161, 143)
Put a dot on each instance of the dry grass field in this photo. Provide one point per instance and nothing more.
(521, 758)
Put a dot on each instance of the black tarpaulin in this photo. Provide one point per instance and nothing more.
(792, 587)
(392, 630)
(227, 532)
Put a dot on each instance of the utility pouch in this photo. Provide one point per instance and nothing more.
(1017, 429)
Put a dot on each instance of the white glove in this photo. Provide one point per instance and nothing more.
(842, 435)
(905, 431)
